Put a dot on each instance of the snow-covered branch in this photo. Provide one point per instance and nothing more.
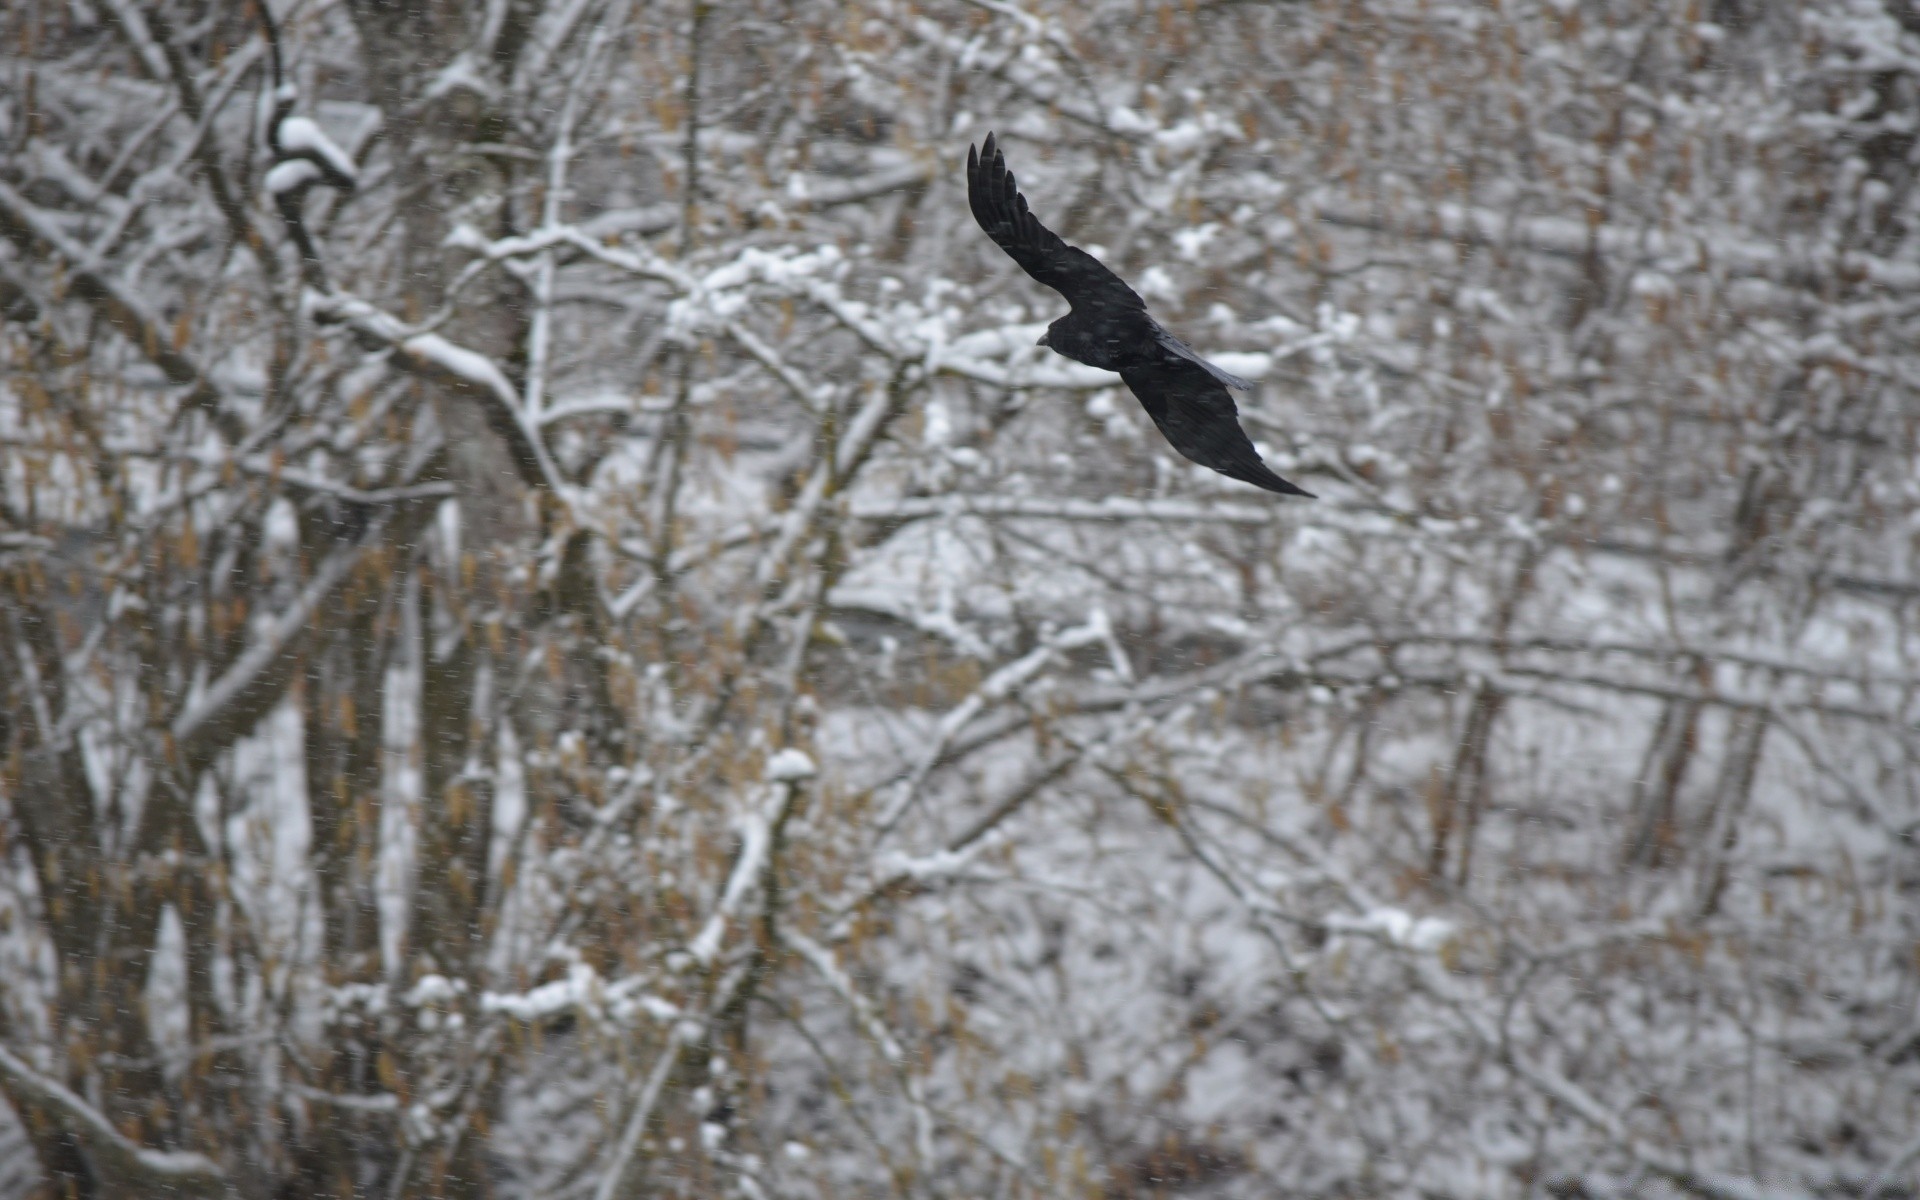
(178, 1169)
(270, 641)
(466, 371)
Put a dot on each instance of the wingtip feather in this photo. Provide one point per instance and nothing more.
(1260, 475)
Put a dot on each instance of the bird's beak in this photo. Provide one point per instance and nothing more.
(1043, 340)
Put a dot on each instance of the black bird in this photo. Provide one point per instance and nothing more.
(1109, 328)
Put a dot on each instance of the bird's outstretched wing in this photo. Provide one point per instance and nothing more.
(1197, 415)
(997, 204)
(1179, 349)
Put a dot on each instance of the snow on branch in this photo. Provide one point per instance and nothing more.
(713, 299)
(1064, 508)
(826, 193)
(681, 1036)
(134, 26)
(467, 371)
(300, 139)
(1712, 1184)
(758, 827)
(1665, 251)
(583, 991)
(271, 641)
(33, 231)
(874, 1026)
(1035, 76)
(162, 1168)
(995, 688)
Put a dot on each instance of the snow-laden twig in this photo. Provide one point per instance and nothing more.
(150, 32)
(32, 230)
(783, 777)
(555, 26)
(712, 298)
(1020, 71)
(1262, 909)
(867, 1014)
(1417, 953)
(559, 158)
(1066, 508)
(302, 139)
(161, 1168)
(683, 559)
(830, 192)
(679, 1037)
(468, 371)
(800, 523)
(272, 639)
(995, 688)
(585, 992)
(133, 23)
(1712, 1184)
(157, 181)
(381, 1102)
(956, 857)
(758, 826)
(813, 396)
(1574, 238)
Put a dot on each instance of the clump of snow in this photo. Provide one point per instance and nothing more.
(303, 136)
(434, 989)
(789, 766)
(291, 175)
(1398, 927)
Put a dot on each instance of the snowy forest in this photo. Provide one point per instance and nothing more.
(560, 639)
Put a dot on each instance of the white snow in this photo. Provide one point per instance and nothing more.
(291, 175)
(303, 136)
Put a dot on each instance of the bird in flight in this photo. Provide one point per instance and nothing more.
(1108, 327)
